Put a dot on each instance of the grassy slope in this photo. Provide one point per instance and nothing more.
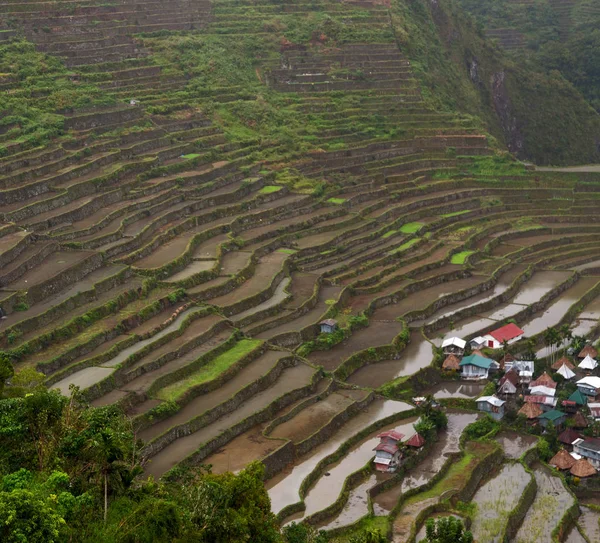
(457, 65)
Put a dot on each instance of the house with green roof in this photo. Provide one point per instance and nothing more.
(555, 416)
(576, 400)
(476, 367)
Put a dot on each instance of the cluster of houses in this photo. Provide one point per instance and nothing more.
(389, 452)
(477, 366)
(581, 455)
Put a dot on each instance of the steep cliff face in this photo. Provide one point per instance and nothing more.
(539, 117)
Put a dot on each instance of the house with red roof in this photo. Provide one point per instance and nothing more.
(387, 454)
(509, 333)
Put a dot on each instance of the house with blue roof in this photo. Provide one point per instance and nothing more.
(475, 367)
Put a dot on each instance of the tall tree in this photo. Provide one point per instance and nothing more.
(447, 530)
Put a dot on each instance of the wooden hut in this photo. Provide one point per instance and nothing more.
(387, 454)
(328, 326)
(564, 360)
(452, 363)
(530, 410)
(562, 460)
(582, 468)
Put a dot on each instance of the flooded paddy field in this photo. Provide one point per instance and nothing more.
(495, 500)
(550, 502)
(515, 445)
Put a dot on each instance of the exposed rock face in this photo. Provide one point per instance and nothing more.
(502, 105)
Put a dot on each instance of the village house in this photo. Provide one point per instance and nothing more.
(568, 436)
(524, 367)
(491, 405)
(546, 403)
(588, 350)
(566, 372)
(508, 383)
(477, 342)
(475, 367)
(387, 453)
(542, 390)
(510, 333)
(589, 385)
(454, 345)
(506, 360)
(543, 380)
(575, 401)
(579, 420)
(554, 416)
(588, 448)
(594, 410)
(564, 361)
(588, 363)
(582, 468)
(328, 326)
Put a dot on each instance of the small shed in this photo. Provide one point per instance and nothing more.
(475, 367)
(508, 383)
(582, 468)
(554, 416)
(564, 361)
(491, 405)
(588, 364)
(562, 460)
(454, 345)
(588, 350)
(416, 441)
(530, 410)
(328, 326)
(477, 342)
(452, 363)
(568, 436)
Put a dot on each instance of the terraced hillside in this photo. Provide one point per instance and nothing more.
(237, 172)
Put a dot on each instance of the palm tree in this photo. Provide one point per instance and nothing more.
(552, 339)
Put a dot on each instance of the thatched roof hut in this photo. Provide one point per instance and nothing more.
(564, 360)
(452, 363)
(531, 410)
(543, 380)
(582, 468)
(562, 460)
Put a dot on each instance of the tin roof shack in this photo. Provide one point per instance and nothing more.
(328, 326)
(589, 385)
(510, 333)
(554, 416)
(575, 401)
(543, 380)
(416, 441)
(387, 454)
(454, 345)
(588, 448)
(475, 367)
(546, 403)
(492, 406)
(566, 372)
(508, 383)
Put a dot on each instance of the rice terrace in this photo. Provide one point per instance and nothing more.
(336, 239)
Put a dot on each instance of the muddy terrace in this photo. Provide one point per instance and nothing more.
(156, 264)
